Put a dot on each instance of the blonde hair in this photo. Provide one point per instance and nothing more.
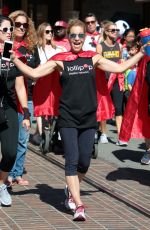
(30, 37)
(40, 35)
(75, 22)
(106, 26)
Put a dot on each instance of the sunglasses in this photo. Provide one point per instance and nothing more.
(48, 31)
(73, 36)
(90, 22)
(19, 24)
(7, 30)
(113, 30)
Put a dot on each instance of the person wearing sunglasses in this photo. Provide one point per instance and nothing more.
(11, 82)
(111, 50)
(92, 35)
(46, 49)
(75, 74)
(24, 35)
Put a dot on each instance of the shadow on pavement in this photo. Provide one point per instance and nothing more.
(49, 195)
(140, 175)
(126, 154)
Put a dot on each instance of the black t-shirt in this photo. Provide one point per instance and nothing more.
(112, 53)
(78, 101)
(8, 75)
(33, 61)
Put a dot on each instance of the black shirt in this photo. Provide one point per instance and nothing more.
(33, 61)
(8, 75)
(78, 102)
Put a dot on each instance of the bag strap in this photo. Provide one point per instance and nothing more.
(0, 66)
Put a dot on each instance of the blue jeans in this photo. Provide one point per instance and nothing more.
(23, 138)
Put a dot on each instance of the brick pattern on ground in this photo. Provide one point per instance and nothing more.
(41, 204)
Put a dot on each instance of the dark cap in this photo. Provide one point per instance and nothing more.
(61, 24)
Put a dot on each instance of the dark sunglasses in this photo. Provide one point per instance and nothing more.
(7, 29)
(48, 31)
(73, 36)
(113, 30)
(19, 24)
(90, 22)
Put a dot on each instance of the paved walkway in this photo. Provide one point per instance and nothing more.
(116, 186)
(41, 204)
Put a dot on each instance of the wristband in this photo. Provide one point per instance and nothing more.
(26, 114)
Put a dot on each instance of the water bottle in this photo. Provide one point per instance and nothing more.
(124, 53)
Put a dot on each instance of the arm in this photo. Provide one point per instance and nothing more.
(111, 66)
(38, 72)
(22, 96)
(129, 87)
(21, 92)
(99, 49)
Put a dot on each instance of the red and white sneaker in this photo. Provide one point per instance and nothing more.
(69, 202)
(79, 214)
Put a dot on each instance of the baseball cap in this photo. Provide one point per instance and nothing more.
(61, 23)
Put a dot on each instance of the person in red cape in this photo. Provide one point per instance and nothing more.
(111, 50)
(11, 81)
(77, 106)
(24, 46)
(136, 118)
(92, 35)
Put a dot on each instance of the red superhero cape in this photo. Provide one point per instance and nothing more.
(136, 121)
(47, 90)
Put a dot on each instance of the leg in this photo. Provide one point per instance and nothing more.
(17, 170)
(69, 137)
(9, 138)
(146, 158)
(39, 125)
(103, 128)
(118, 123)
(147, 142)
(37, 136)
(86, 142)
(117, 97)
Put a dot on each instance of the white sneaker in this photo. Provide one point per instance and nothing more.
(121, 143)
(103, 138)
(5, 198)
(146, 159)
(79, 214)
(69, 202)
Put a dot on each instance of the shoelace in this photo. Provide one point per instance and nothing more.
(80, 208)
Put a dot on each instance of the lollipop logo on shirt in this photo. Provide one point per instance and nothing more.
(79, 69)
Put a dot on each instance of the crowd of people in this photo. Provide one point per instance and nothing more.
(75, 72)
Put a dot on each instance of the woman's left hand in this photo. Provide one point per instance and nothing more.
(26, 124)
